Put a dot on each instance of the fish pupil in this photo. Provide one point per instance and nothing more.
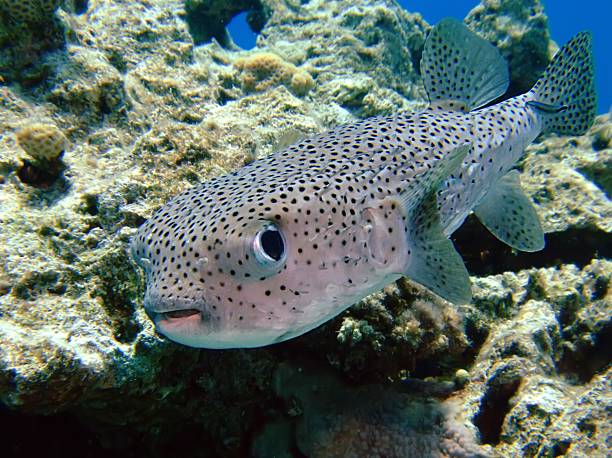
(273, 244)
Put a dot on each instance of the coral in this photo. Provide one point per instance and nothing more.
(374, 66)
(45, 145)
(28, 29)
(31, 11)
(396, 330)
(301, 82)
(42, 142)
(87, 85)
(262, 71)
(569, 179)
(336, 420)
(603, 138)
(539, 380)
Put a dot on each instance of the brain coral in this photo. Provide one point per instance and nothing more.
(30, 11)
(42, 142)
(28, 29)
(263, 71)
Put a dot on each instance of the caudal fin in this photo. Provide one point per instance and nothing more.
(565, 96)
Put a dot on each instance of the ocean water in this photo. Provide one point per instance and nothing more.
(98, 131)
(565, 19)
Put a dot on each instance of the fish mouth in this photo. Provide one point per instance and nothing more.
(173, 310)
(177, 314)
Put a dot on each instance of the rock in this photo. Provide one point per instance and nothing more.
(377, 47)
(526, 380)
(333, 419)
(519, 28)
(568, 180)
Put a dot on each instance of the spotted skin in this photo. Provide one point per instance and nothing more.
(499, 135)
(344, 227)
(357, 208)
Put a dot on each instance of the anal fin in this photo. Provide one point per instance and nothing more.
(509, 214)
(434, 262)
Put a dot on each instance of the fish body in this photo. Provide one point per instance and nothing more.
(274, 249)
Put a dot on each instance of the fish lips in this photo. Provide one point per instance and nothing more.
(172, 311)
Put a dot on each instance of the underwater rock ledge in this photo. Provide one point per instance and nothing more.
(146, 114)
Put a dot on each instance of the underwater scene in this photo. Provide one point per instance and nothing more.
(292, 228)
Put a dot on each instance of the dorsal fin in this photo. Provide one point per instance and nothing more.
(459, 65)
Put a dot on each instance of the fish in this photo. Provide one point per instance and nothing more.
(270, 251)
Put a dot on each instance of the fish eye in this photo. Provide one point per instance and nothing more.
(269, 246)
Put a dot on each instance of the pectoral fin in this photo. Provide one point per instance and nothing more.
(433, 261)
(413, 194)
(509, 214)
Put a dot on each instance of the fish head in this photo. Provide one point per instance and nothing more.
(251, 269)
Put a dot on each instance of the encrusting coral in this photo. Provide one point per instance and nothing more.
(265, 70)
(335, 420)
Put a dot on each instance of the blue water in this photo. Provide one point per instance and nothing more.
(565, 17)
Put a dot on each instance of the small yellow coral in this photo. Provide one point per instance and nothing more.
(42, 142)
(265, 70)
(301, 82)
(462, 377)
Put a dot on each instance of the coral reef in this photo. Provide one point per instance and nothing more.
(519, 29)
(332, 421)
(265, 70)
(28, 28)
(377, 47)
(569, 179)
(147, 114)
(539, 380)
(30, 12)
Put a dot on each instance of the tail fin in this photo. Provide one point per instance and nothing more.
(565, 96)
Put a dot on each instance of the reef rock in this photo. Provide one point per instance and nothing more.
(28, 28)
(145, 113)
(331, 420)
(519, 29)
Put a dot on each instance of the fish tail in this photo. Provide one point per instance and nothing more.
(565, 97)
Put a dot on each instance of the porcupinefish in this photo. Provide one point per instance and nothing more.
(274, 249)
